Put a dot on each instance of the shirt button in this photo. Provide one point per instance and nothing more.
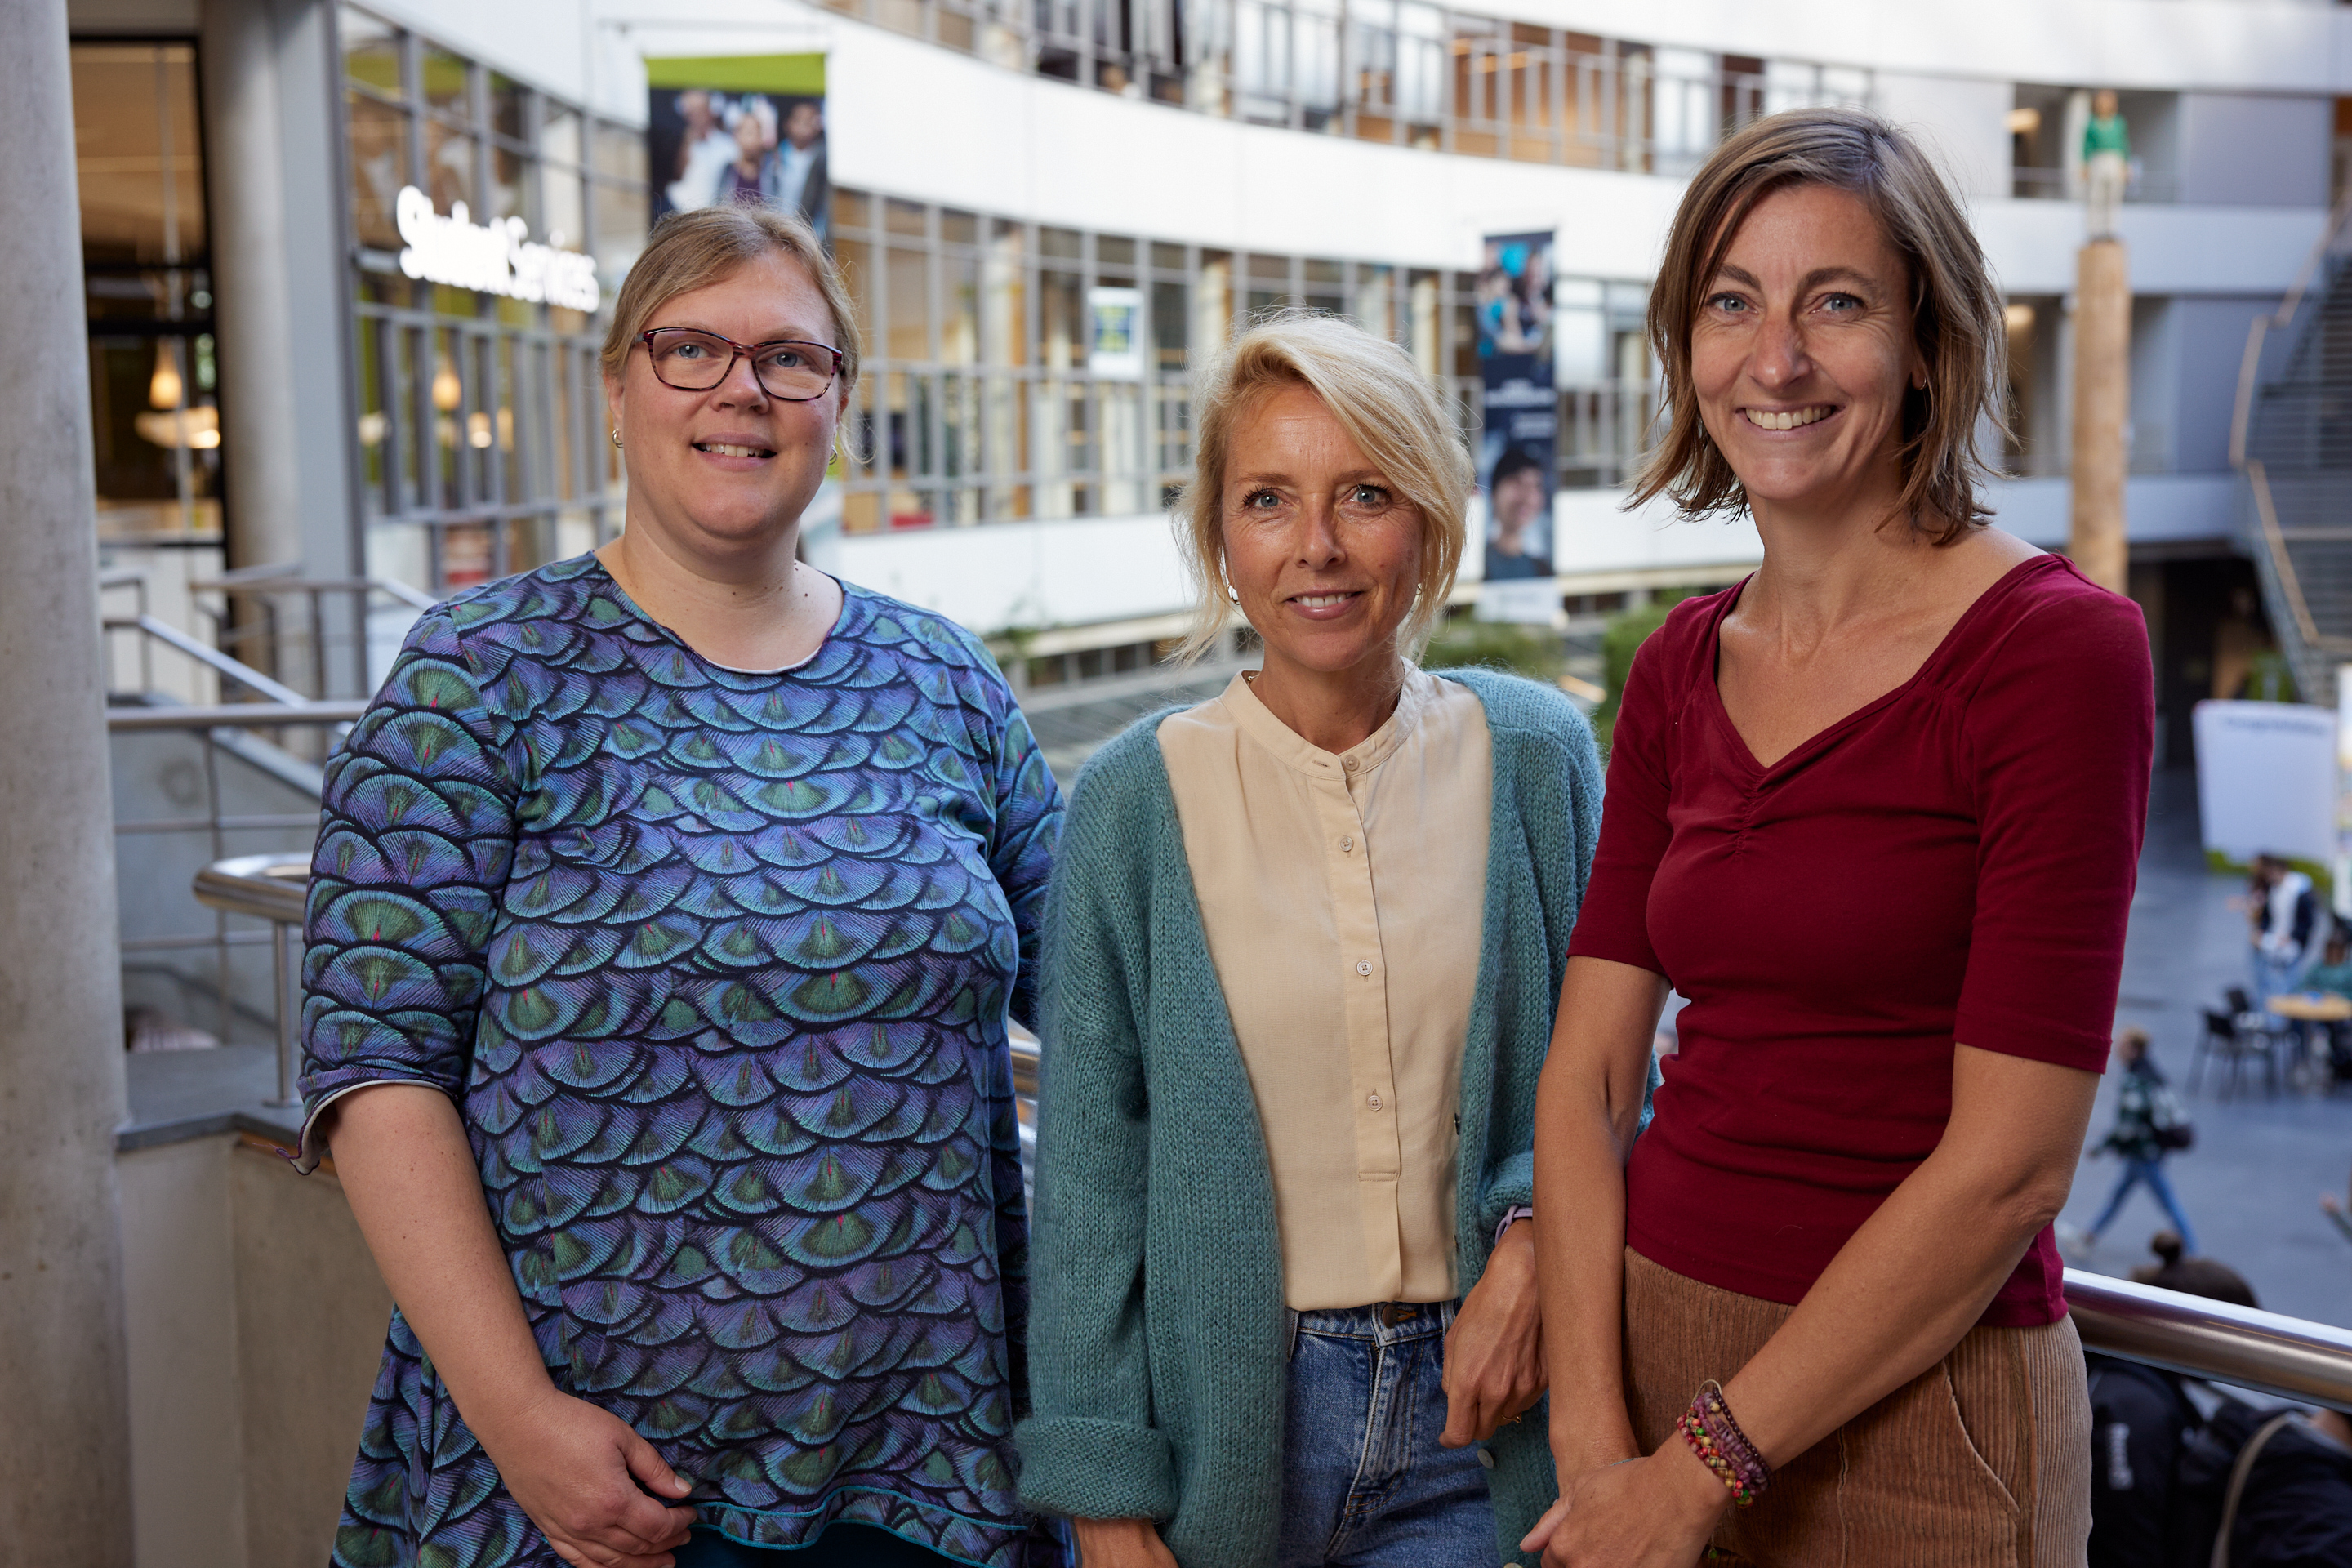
(1346, 845)
(1373, 1101)
(1364, 967)
(1348, 763)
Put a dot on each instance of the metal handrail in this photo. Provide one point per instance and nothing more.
(2249, 363)
(270, 887)
(219, 727)
(236, 715)
(2269, 1351)
(281, 580)
(203, 653)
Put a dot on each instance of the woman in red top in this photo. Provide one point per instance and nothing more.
(1876, 813)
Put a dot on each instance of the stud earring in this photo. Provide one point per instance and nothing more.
(616, 437)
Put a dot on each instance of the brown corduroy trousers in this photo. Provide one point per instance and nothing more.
(1983, 1461)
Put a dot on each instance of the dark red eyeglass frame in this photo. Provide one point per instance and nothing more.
(740, 351)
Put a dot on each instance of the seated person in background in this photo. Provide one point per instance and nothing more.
(2333, 971)
(2163, 1448)
(2334, 974)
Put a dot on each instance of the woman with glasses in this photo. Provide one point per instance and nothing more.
(667, 909)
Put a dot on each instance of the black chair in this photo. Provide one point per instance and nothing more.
(2234, 1037)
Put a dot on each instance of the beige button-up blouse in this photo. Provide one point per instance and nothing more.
(1342, 897)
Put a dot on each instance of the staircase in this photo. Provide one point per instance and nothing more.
(2294, 447)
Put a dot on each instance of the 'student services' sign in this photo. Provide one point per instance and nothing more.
(493, 257)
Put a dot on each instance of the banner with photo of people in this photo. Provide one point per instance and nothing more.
(739, 128)
(1522, 427)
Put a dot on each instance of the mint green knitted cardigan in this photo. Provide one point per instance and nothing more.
(1158, 1340)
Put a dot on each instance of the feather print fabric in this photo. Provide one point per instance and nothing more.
(716, 965)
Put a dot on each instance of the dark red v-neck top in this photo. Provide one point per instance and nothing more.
(1952, 862)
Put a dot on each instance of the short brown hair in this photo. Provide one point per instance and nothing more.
(691, 250)
(1956, 312)
(1387, 407)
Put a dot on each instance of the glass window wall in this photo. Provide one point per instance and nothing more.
(147, 289)
(481, 418)
(985, 398)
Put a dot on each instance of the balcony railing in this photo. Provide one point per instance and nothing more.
(1400, 71)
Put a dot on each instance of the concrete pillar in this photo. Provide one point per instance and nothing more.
(2101, 411)
(245, 168)
(64, 1430)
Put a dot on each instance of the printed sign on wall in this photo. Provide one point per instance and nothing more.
(1522, 428)
(739, 128)
(1115, 346)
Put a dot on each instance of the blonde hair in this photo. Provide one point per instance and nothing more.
(1956, 311)
(1387, 407)
(692, 250)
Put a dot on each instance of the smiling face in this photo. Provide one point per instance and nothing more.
(1322, 548)
(1803, 351)
(733, 467)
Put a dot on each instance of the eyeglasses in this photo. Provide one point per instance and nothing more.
(692, 360)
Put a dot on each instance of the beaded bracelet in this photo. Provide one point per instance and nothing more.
(1722, 1446)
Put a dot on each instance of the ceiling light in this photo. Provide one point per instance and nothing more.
(164, 388)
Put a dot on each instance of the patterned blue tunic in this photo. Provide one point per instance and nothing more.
(717, 967)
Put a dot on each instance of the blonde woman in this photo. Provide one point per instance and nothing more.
(667, 909)
(1302, 944)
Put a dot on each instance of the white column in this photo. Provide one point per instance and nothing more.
(64, 1430)
(245, 167)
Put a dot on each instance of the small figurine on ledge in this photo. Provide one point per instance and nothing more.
(2106, 164)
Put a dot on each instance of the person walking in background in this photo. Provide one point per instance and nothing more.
(668, 907)
(2149, 1125)
(1876, 811)
(2282, 913)
(1301, 951)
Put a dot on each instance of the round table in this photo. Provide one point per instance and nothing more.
(2312, 1006)
(2309, 1009)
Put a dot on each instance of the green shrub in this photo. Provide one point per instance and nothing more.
(1536, 652)
(1619, 639)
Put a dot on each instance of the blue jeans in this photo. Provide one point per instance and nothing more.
(2152, 1173)
(1364, 1482)
(2272, 976)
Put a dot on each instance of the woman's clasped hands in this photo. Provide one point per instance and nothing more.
(1653, 1513)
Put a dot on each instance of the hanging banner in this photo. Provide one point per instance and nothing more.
(1522, 428)
(739, 128)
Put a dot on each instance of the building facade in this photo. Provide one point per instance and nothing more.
(996, 168)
